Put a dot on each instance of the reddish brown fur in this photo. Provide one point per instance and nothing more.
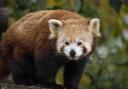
(29, 35)
(31, 32)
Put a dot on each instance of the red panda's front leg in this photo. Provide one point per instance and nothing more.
(72, 73)
(22, 67)
(46, 70)
(22, 71)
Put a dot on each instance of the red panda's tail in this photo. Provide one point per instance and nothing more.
(3, 27)
(3, 66)
(3, 70)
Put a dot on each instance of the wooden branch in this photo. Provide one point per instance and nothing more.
(13, 86)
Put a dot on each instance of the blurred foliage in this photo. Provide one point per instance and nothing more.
(108, 65)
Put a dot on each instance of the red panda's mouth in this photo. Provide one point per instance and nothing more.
(73, 58)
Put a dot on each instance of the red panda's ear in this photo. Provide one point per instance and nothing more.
(54, 27)
(94, 26)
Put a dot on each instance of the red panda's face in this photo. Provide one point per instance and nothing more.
(74, 39)
(73, 42)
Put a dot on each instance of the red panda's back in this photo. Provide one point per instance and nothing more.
(32, 29)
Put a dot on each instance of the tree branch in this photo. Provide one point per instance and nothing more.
(13, 86)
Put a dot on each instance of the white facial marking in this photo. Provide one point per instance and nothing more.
(88, 47)
(86, 40)
(77, 49)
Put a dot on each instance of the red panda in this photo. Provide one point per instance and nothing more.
(38, 44)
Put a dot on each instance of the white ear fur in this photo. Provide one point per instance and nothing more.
(53, 27)
(94, 26)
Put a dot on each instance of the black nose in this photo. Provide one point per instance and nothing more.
(72, 53)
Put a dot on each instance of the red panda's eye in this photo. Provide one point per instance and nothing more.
(66, 43)
(79, 43)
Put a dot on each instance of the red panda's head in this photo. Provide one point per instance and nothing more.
(74, 37)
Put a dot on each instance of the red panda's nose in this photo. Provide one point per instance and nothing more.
(72, 53)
